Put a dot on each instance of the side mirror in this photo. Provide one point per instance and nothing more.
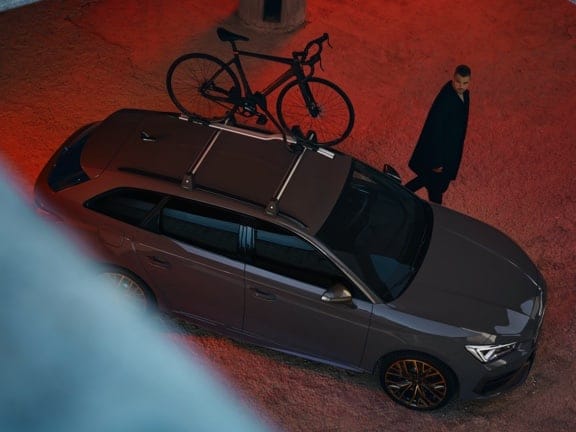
(337, 294)
(391, 172)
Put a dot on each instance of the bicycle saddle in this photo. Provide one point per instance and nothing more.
(228, 36)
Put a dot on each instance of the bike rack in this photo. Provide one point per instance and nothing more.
(296, 142)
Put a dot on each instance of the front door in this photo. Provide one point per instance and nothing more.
(284, 287)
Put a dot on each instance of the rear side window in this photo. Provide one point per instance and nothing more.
(203, 226)
(127, 205)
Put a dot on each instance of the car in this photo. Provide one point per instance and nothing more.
(274, 241)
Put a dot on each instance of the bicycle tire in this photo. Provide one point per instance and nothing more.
(335, 119)
(201, 86)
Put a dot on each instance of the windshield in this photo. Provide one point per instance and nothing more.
(379, 230)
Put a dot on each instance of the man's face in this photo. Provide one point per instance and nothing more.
(460, 83)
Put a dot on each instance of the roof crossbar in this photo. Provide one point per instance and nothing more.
(272, 207)
(297, 143)
(188, 179)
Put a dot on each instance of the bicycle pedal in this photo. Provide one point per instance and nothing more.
(262, 120)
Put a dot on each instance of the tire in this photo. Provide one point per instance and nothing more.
(131, 284)
(417, 381)
(335, 119)
(201, 85)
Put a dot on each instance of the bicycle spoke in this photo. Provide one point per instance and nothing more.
(200, 85)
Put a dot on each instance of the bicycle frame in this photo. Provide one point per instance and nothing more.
(295, 70)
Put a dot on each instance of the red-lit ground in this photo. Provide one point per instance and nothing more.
(63, 64)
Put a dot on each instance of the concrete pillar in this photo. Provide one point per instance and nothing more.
(273, 15)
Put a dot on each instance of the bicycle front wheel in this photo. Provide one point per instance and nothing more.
(202, 86)
(330, 116)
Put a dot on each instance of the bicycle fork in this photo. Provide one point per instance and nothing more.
(309, 100)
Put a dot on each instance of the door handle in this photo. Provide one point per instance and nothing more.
(263, 295)
(158, 262)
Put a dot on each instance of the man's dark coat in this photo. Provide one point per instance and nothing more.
(442, 138)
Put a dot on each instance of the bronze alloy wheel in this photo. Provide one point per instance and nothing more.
(417, 382)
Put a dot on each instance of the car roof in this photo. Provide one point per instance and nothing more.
(242, 167)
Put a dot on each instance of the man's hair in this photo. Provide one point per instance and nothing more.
(463, 70)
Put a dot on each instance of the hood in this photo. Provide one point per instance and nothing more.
(474, 277)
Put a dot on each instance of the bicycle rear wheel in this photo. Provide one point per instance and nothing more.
(202, 86)
(333, 118)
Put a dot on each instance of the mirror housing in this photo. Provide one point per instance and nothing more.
(338, 293)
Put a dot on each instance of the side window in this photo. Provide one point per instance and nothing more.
(283, 252)
(127, 205)
(202, 226)
(288, 254)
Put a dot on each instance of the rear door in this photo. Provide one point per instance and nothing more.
(284, 286)
(195, 261)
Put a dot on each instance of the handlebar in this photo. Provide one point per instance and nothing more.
(303, 56)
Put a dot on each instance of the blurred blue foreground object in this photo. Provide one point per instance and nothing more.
(76, 355)
(11, 4)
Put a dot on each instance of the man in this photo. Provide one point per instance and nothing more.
(438, 153)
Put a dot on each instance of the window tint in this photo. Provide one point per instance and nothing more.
(285, 253)
(128, 205)
(203, 226)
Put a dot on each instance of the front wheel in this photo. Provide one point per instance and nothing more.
(202, 86)
(330, 114)
(417, 381)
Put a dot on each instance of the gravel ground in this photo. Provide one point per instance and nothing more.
(65, 63)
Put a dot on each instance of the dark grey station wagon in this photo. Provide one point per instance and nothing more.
(312, 253)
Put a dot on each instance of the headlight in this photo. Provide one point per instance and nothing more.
(488, 353)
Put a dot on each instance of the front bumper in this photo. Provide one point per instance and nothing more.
(493, 386)
(491, 379)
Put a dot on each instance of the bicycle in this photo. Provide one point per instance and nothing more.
(205, 87)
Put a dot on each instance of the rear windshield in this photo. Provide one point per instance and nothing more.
(379, 230)
(67, 170)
